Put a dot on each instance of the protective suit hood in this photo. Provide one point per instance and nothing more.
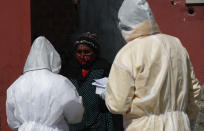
(136, 19)
(43, 56)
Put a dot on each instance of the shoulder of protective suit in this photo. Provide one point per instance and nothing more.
(166, 36)
(60, 77)
(20, 78)
(63, 80)
(131, 47)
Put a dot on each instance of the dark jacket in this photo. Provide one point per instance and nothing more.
(96, 115)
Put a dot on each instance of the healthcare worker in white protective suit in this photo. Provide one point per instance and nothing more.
(40, 99)
(151, 82)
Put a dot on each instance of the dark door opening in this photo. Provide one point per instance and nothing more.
(62, 22)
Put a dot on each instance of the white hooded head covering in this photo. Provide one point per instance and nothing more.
(136, 19)
(43, 56)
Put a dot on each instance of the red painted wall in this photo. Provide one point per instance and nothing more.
(14, 46)
(175, 20)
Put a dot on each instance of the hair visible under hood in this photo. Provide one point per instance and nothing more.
(136, 19)
(43, 56)
(89, 39)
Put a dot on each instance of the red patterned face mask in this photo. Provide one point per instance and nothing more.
(85, 56)
(83, 59)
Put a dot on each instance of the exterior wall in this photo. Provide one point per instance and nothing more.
(175, 20)
(14, 46)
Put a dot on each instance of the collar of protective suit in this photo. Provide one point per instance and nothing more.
(147, 27)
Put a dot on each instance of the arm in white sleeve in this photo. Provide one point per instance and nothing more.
(194, 95)
(120, 90)
(74, 109)
(10, 108)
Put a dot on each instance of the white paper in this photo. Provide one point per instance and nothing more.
(99, 90)
(100, 83)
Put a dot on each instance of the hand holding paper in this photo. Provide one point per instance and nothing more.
(101, 85)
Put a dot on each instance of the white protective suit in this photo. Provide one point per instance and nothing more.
(40, 100)
(151, 82)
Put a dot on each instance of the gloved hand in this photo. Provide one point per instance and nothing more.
(102, 95)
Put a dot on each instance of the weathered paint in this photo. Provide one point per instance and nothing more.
(174, 19)
(14, 46)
